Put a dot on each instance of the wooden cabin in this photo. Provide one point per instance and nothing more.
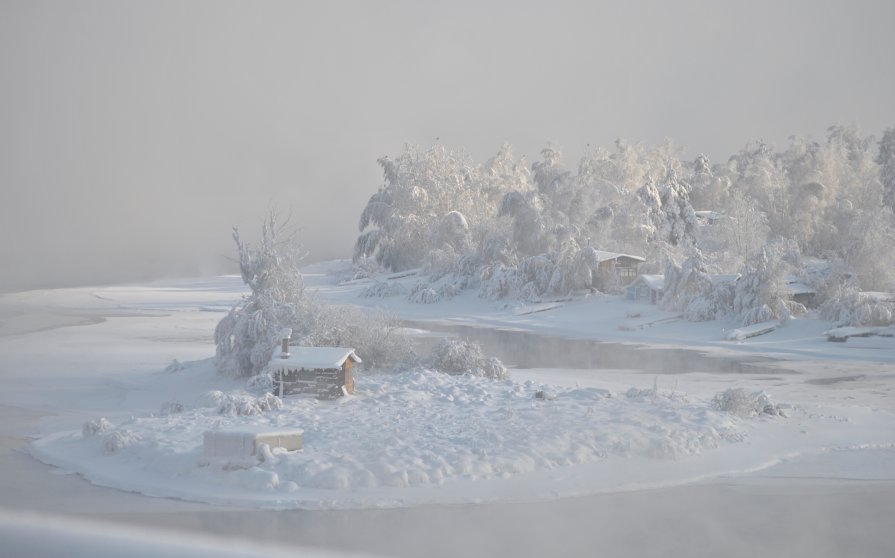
(623, 266)
(324, 372)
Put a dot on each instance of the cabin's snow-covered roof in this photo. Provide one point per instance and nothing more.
(313, 358)
(603, 256)
(795, 286)
(654, 282)
(722, 278)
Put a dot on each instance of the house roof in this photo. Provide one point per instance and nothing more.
(313, 358)
(795, 286)
(654, 282)
(606, 256)
(723, 278)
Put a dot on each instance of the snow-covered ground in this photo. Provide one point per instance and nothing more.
(421, 437)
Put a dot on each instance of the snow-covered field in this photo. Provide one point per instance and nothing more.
(420, 437)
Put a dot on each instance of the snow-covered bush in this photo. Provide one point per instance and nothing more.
(262, 383)
(743, 403)
(117, 440)
(458, 356)
(94, 427)
(383, 289)
(241, 404)
(848, 306)
(423, 294)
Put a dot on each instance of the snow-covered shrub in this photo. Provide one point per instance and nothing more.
(376, 337)
(499, 281)
(94, 427)
(422, 293)
(383, 289)
(262, 383)
(118, 440)
(848, 306)
(241, 404)
(440, 262)
(743, 403)
(458, 356)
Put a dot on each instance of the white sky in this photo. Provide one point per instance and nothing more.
(133, 135)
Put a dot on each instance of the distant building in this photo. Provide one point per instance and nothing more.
(650, 288)
(321, 371)
(646, 288)
(623, 266)
(708, 217)
(798, 291)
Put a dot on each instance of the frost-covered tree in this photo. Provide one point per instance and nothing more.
(510, 230)
(689, 289)
(886, 160)
(247, 335)
(759, 295)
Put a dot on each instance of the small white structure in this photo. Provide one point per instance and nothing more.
(245, 444)
(321, 371)
(646, 288)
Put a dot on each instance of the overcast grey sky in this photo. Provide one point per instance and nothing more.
(133, 135)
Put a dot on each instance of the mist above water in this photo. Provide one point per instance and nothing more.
(134, 135)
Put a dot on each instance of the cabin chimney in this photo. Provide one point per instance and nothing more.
(287, 336)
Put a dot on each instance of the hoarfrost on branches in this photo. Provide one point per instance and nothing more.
(519, 231)
(458, 356)
(743, 403)
(246, 337)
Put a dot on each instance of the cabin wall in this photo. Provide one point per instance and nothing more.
(324, 383)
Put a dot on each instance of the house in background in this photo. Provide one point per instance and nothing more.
(650, 288)
(798, 291)
(321, 371)
(646, 288)
(707, 217)
(611, 264)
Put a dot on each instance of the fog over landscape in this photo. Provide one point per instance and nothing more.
(134, 135)
(447, 279)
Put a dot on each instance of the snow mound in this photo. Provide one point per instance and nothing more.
(409, 437)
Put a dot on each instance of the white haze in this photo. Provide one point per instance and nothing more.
(134, 135)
